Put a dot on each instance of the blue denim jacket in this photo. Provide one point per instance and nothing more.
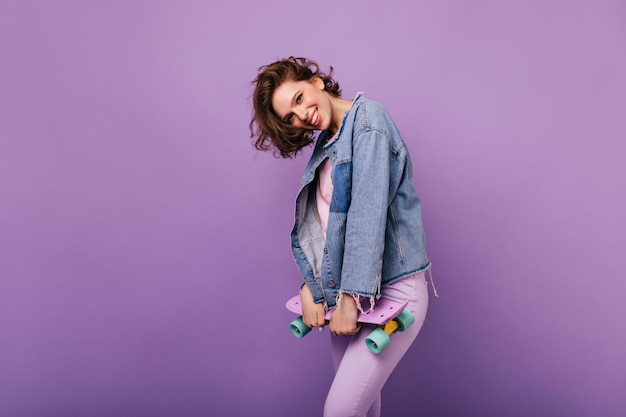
(374, 234)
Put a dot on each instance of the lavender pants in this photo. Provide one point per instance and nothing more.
(359, 373)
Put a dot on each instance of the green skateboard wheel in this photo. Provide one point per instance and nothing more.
(377, 341)
(298, 328)
(405, 319)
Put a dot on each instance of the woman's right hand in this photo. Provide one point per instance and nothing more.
(312, 313)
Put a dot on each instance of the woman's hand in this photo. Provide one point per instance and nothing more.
(343, 320)
(312, 313)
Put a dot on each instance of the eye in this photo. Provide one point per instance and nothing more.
(299, 98)
(289, 118)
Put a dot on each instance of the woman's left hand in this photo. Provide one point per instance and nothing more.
(343, 319)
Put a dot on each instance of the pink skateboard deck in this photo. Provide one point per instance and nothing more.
(388, 315)
(383, 312)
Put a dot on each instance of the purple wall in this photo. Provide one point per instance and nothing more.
(144, 253)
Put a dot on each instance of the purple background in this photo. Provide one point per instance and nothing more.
(144, 252)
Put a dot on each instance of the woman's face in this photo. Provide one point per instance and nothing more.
(303, 104)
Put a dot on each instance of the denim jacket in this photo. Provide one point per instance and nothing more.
(374, 234)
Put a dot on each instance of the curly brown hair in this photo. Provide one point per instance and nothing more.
(270, 131)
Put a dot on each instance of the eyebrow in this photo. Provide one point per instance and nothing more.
(295, 95)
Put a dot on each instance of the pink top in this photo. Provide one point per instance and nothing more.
(324, 192)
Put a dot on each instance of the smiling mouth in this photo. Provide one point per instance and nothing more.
(315, 118)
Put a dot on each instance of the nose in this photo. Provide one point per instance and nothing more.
(301, 113)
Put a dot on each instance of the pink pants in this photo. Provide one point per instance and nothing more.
(359, 373)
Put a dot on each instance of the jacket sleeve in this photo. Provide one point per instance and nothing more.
(367, 215)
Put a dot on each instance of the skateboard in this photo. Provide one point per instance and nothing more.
(388, 315)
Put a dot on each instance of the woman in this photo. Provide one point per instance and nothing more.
(358, 233)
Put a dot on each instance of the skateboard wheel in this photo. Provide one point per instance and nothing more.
(298, 328)
(377, 341)
(405, 319)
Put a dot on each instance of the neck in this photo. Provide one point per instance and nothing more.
(339, 108)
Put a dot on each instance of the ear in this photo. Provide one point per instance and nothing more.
(318, 82)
